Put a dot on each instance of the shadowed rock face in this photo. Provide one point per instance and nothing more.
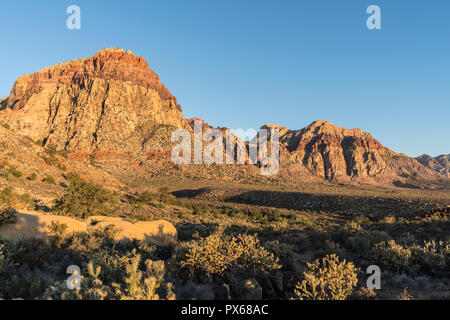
(90, 104)
(440, 164)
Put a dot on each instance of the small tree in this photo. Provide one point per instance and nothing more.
(83, 199)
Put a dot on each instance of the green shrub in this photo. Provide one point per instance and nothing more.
(27, 199)
(365, 240)
(51, 150)
(51, 153)
(84, 199)
(198, 210)
(8, 215)
(49, 180)
(72, 176)
(433, 257)
(7, 195)
(394, 257)
(9, 198)
(16, 173)
(32, 177)
(163, 190)
(167, 198)
(26, 286)
(327, 279)
(430, 258)
(145, 197)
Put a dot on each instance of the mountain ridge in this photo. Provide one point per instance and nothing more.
(86, 105)
(112, 105)
(440, 164)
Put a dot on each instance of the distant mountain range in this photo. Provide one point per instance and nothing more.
(112, 107)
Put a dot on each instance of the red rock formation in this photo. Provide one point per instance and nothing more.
(112, 106)
(98, 103)
(439, 164)
(343, 155)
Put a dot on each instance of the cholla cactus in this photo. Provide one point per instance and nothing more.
(92, 288)
(213, 254)
(432, 257)
(143, 286)
(134, 277)
(327, 279)
(254, 257)
(138, 285)
(393, 256)
(155, 276)
(219, 252)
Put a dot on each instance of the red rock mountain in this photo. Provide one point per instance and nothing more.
(350, 156)
(101, 103)
(114, 103)
(440, 164)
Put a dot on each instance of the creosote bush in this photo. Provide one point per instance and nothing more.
(327, 279)
(9, 198)
(49, 180)
(8, 215)
(430, 258)
(146, 197)
(16, 173)
(84, 199)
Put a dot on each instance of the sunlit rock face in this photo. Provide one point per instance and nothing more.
(349, 155)
(96, 104)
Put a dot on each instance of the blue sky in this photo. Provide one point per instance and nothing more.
(244, 63)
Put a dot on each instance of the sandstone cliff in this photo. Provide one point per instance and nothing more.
(345, 155)
(93, 104)
(440, 164)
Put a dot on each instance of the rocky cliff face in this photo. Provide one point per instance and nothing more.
(100, 103)
(345, 155)
(440, 164)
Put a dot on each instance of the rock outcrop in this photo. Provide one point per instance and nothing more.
(101, 103)
(440, 164)
(345, 155)
(36, 225)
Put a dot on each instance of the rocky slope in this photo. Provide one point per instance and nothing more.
(440, 164)
(351, 155)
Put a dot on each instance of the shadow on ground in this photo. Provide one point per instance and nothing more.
(340, 204)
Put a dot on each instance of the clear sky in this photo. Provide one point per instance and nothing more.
(244, 63)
